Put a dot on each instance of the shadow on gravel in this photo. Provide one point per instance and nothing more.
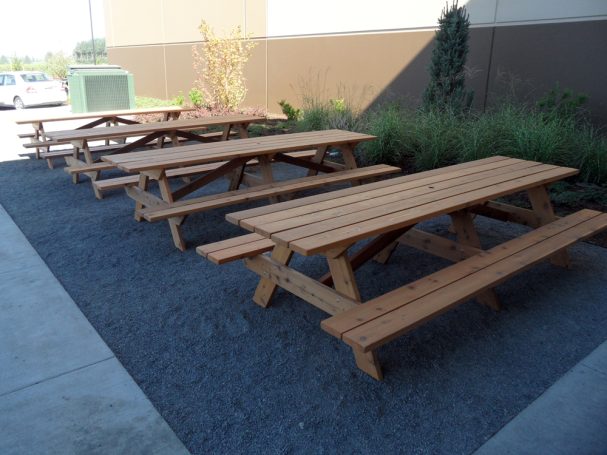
(230, 377)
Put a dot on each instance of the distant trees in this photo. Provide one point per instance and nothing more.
(83, 52)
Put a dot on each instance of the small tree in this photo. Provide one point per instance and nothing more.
(446, 89)
(220, 67)
(57, 65)
(16, 64)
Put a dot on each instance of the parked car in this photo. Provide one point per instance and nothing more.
(30, 88)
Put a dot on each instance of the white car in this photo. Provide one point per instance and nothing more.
(30, 88)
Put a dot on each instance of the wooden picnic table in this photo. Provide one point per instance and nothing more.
(109, 118)
(150, 133)
(387, 212)
(230, 159)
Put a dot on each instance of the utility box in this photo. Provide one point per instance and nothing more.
(100, 88)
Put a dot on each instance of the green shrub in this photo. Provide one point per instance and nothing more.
(388, 124)
(563, 103)
(288, 110)
(446, 89)
(434, 139)
(196, 97)
(179, 100)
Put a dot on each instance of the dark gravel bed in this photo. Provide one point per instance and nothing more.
(231, 377)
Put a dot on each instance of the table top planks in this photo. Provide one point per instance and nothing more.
(141, 129)
(228, 150)
(101, 114)
(318, 224)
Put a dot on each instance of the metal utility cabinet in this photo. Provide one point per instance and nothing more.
(100, 88)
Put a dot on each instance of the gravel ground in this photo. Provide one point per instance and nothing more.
(231, 377)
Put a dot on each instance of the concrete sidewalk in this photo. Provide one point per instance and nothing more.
(62, 391)
(568, 418)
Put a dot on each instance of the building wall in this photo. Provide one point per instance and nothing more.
(371, 50)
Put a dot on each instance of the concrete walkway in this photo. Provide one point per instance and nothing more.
(568, 418)
(62, 391)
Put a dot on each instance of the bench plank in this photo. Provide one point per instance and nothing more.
(223, 255)
(389, 316)
(187, 207)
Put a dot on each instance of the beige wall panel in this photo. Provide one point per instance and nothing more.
(136, 22)
(255, 21)
(182, 18)
(539, 56)
(147, 66)
(255, 73)
(383, 66)
(180, 70)
(297, 17)
(526, 10)
(109, 21)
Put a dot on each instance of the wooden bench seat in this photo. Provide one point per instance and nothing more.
(182, 208)
(235, 248)
(376, 322)
(188, 171)
(26, 135)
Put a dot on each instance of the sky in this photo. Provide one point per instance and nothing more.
(36, 27)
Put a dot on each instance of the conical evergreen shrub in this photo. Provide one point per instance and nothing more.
(446, 90)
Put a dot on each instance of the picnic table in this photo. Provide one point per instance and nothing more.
(148, 133)
(230, 159)
(108, 118)
(385, 214)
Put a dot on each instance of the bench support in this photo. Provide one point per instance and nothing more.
(369, 363)
(466, 234)
(266, 287)
(540, 201)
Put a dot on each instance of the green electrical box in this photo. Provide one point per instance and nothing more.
(100, 88)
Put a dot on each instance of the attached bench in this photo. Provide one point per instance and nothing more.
(235, 248)
(129, 180)
(50, 155)
(369, 326)
(165, 211)
(26, 135)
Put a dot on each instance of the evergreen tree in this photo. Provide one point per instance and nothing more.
(446, 89)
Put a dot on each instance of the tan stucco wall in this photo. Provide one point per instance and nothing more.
(564, 45)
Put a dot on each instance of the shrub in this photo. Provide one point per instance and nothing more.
(388, 124)
(220, 67)
(179, 100)
(563, 103)
(196, 97)
(288, 110)
(16, 64)
(446, 90)
(57, 65)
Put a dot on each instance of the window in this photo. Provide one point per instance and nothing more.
(9, 79)
(1, 79)
(35, 77)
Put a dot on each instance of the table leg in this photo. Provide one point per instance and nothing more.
(266, 287)
(542, 207)
(265, 168)
(38, 136)
(318, 158)
(463, 225)
(174, 223)
(144, 183)
(343, 276)
(225, 135)
(243, 130)
(369, 251)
